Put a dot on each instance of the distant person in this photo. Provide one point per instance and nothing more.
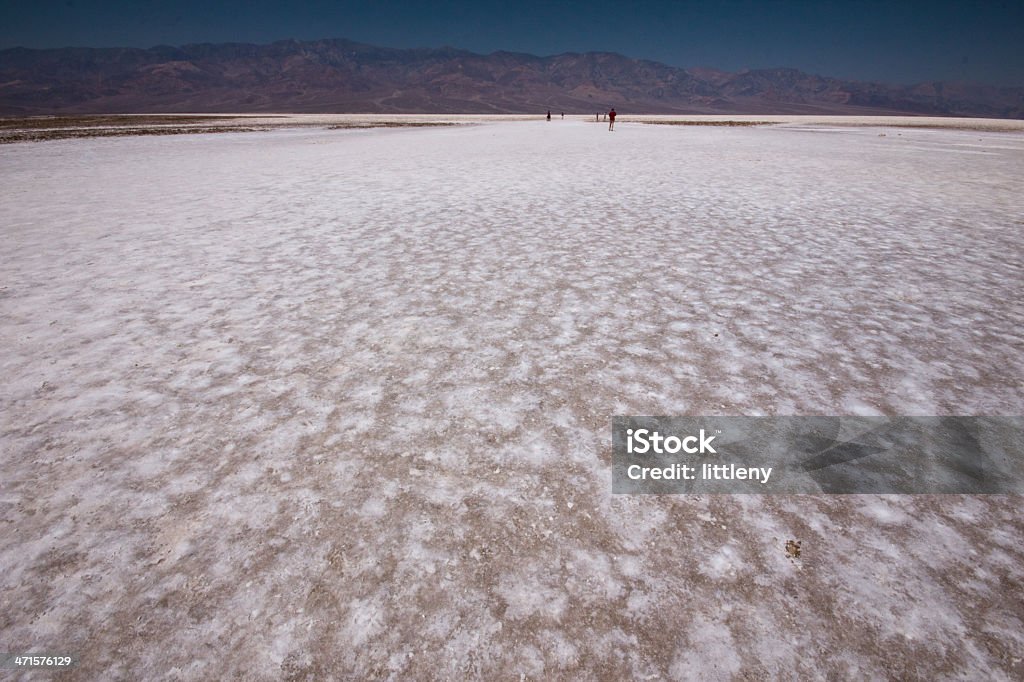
(549, 116)
(563, 115)
(611, 119)
(597, 118)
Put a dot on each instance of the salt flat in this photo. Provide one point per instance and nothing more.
(305, 402)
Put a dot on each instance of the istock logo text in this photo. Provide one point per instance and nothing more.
(652, 441)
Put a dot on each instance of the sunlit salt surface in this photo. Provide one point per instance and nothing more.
(313, 402)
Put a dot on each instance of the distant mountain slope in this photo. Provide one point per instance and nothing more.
(343, 76)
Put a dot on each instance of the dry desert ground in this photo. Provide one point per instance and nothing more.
(307, 403)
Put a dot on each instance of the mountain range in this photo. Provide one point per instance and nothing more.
(341, 76)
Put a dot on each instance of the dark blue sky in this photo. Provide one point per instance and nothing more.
(895, 41)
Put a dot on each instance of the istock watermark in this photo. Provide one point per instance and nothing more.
(841, 455)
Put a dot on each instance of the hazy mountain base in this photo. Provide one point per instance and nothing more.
(311, 404)
(340, 76)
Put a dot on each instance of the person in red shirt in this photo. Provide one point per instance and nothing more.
(611, 119)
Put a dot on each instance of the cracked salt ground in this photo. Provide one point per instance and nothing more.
(310, 403)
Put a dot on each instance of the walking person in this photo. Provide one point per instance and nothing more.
(611, 119)
(549, 117)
